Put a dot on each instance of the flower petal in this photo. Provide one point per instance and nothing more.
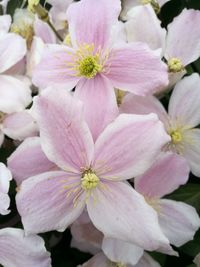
(191, 149)
(12, 50)
(128, 146)
(69, 142)
(46, 201)
(178, 220)
(43, 31)
(5, 22)
(16, 249)
(99, 260)
(126, 218)
(19, 125)
(184, 104)
(135, 104)
(55, 67)
(104, 14)
(147, 261)
(15, 95)
(97, 94)
(166, 175)
(144, 26)
(185, 46)
(29, 160)
(120, 251)
(137, 69)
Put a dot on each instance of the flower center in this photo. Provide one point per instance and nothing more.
(153, 3)
(89, 180)
(176, 137)
(89, 62)
(175, 65)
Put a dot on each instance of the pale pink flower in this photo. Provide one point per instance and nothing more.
(180, 122)
(180, 45)
(16, 249)
(95, 65)
(5, 178)
(92, 174)
(178, 221)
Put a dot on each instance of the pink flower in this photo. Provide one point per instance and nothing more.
(92, 175)
(95, 65)
(16, 249)
(178, 221)
(182, 118)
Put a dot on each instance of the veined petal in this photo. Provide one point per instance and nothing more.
(178, 221)
(135, 104)
(128, 146)
(137, 69)
(144, 26)
(184, 107)
(55, 67)
(48, 201)
(43, 31)
(128, 218)
(65, 137)
(12, 50)
(16, 249)
(163, 177)
(104, 14)
(191, 149)
(120, 251)
(185, 47)
(100, 106)
(15, 95)
(29, 160)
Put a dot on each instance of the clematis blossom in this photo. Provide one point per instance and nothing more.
(16, 249)
(180, 122)
(178, 221)
(5, 178)
(92, 175)
(95, 65)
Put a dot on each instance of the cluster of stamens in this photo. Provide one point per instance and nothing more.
(153, 3)
(89, 180)
(175, 65)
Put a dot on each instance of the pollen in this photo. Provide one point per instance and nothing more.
(88, 61)
(153, 3)
(175, 65)
(176, 137)
(89, 180)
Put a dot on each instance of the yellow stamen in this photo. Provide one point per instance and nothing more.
(176, 137)
(153, 3)
(89, 180)
(2, 117)
(88, 62)
(67, 40)
(26, 31)
(154, 203)
(119, 96)
(175, 65)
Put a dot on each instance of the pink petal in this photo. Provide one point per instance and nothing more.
(5, 178)
(100, 106)
(99, 260)
(191, 150)
(185, 46)
(19, 125)
(184, 107)
(4, 204)
(144, 26)
(68, 143)
(103, 15)
(135, 68)
(128, 146)
(46, 201)
(135, 104)
(12, 50)
(178, 220)
(29, 160)
(120, 251)
(15, 95)
(5, 22)
(55, 68)
(16, 249)
(166, 175)
(126, 218)
(43, 31)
